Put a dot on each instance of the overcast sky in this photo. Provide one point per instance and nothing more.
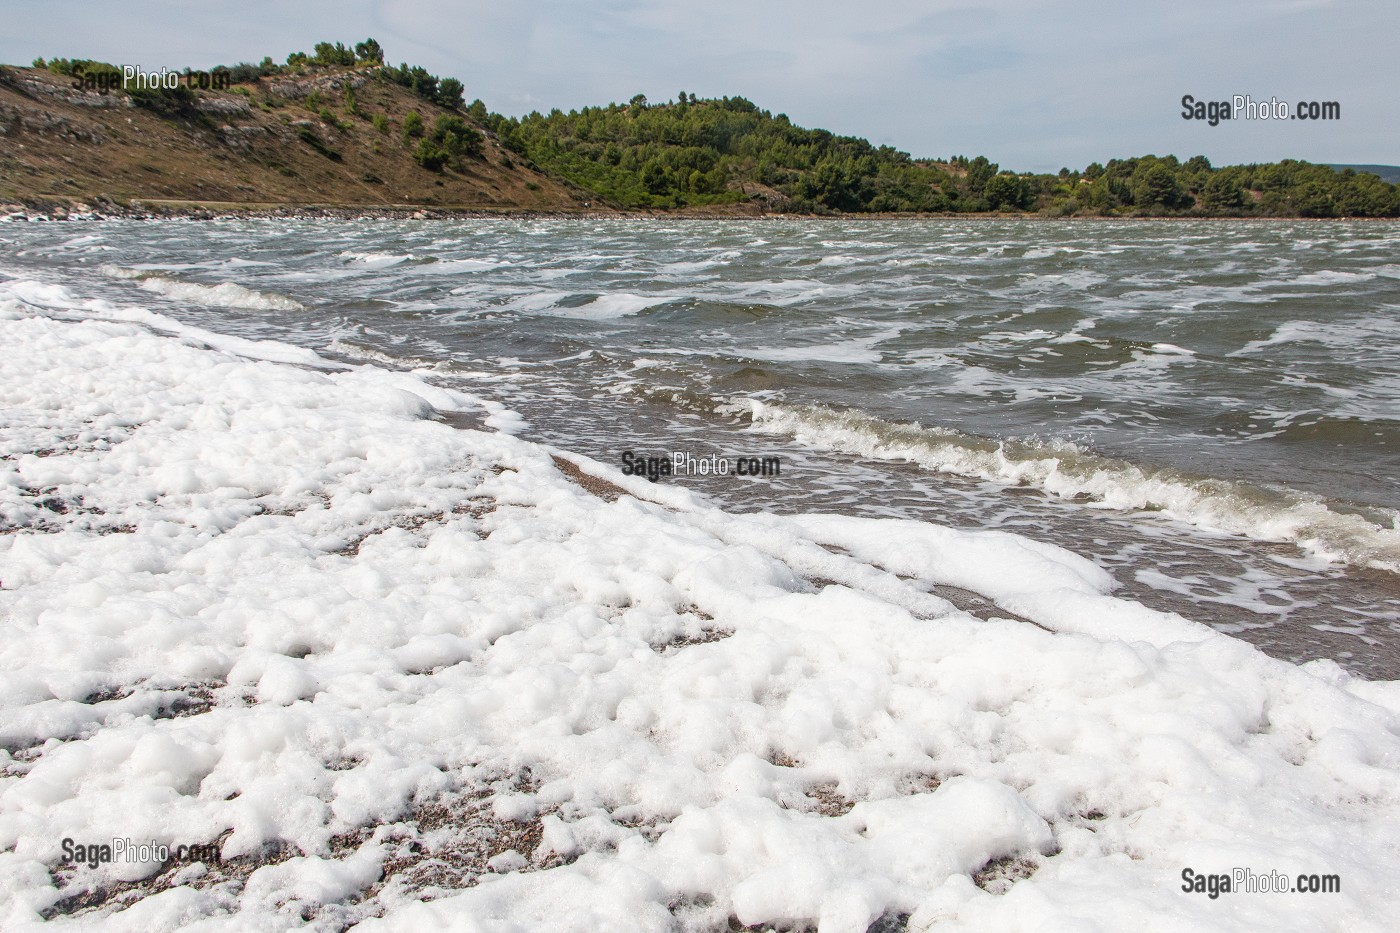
(1032, 85)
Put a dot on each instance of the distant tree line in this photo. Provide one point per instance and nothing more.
(1164, 185)
(702, 151)
(693, 151)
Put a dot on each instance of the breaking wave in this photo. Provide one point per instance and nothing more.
(223, 295)
(1324, 529)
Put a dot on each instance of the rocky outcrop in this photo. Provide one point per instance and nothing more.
(301, 87)
(223, 105)
(38, 84)
(47, 123)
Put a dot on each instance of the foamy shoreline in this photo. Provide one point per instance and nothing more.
(418, 676)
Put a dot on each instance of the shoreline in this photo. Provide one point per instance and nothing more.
(41, 210)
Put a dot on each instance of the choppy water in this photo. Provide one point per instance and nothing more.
(1210, 410)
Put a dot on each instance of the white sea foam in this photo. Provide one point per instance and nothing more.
(568, 304)
(1333, 277)
(784, 291)
(688, 268)
(617, 304)
(121, 272)
(450, 266)
(1346, 334)
(684, 715)
(1075, 337)
(839, 352)
(1076, 280)
(376, 260)
(851, 350)
(85, 243)
(21, 294)
(358, 352)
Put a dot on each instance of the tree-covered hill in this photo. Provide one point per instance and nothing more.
(722, 151)
(691, 152)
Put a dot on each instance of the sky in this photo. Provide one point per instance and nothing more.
(1032, 85)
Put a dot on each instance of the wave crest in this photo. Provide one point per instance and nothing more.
(1267, 513)
(223, 295)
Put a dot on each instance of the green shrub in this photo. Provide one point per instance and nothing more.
(337, 54)
(450, 140)
(429, 155)
(369, 52)
(243, 73)
(412, 126)
(456, 135)
(308, 136)
(449, 93)
(177, 101)
(1007, 192)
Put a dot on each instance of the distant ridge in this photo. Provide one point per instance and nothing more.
(1390, 173)
(343, 129)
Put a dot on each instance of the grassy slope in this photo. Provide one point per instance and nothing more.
(58, 144)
